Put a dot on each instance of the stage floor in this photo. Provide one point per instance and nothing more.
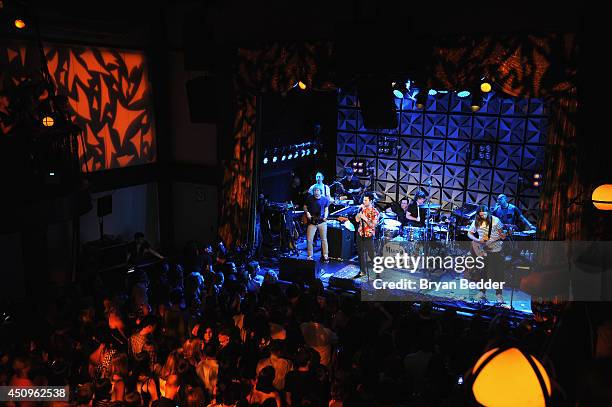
(440, 291)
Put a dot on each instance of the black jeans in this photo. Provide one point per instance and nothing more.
(494, 269)
(365, 248)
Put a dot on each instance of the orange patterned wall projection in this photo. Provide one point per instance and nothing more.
(109, 99)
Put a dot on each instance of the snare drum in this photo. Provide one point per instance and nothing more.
(413, 233)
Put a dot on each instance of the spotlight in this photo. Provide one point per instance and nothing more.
(265, 160)
(303, 153)
(476, 100)
(301, 85)
(421, 99)
(274, 159)
(432, 92)
(48, 121)
(463, 94)
(537, 176)
(284, 157)
(19, 23)
(314, 151)
(485, 87)
(308, 152)
(536, 183)
(290, 156)
(399, 89)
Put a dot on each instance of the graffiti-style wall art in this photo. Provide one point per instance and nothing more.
(109, 97)
(468, 157)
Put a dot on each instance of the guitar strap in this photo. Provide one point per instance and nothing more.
(490, 227)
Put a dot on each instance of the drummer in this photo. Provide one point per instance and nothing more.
(415, 214)
(351, 185)
(400, 211)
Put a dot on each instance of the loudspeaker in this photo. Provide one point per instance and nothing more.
(297, 270)
(341, 242)
(202, 98)
(377, 105)
(105, 205)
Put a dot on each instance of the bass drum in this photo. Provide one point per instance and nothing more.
(389, 232)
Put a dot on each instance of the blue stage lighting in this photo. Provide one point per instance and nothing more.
(274, 159)
(463, 93)
(315, 151)
(433, 92)
(265, 160)
(284, 157)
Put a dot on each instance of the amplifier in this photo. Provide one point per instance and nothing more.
(341, 242)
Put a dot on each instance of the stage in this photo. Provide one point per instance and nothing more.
(444, 289)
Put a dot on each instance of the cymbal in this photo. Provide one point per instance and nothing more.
(430, 205)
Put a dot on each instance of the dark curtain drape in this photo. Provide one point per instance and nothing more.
(542, 66)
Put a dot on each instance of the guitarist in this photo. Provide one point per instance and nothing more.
(316, 210)
(488, 244)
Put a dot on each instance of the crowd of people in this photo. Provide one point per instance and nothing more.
(207, 330)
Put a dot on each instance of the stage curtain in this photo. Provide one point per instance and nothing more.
(273, 68)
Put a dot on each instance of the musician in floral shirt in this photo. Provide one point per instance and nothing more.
(367, 218)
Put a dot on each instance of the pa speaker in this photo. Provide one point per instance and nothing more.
(377, 105)
(202, 98)
(297, 270)
(105, 205)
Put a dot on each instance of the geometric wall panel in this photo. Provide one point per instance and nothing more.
(451, 199)
(367, 144)
(454, 176)
(433, 150)
(411, 124)
(505, 182)
(410, 171)
(387, 170)
(459, 126)
(485, 128)
(347, 119)
(433, 172)
(457, 152)
(508, 156)
(435, 125)
(410, 148)
(479, 179)
(444, 142)
(347, 143)
(512, 130)
(387, 191)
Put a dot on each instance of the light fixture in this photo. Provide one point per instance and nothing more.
(301, 85)
(290, 156)
(463, 93)
(48, 121)
(602, 197)
(284, 157)
(432, 92)
(19, 23)
(421, 99)
(476, 102)
(485, 87)
(314, 151)
(265, 160)
(509, 377)
(400, 88)
(274, 159)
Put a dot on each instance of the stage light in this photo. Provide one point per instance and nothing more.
(265, 160)
(291, 156)
(508, 376)
(602, 197)
(476, 102)
(421, 99)
(400, 88)
(308, 152)
(536, 183)
(274, 159)
(303, 153)
(314, 151)
(432, 92)
(485, 87)
(48, 121)
(537, 176)
(284, 157)
(463, 93)
(19, 23)
(301, 85)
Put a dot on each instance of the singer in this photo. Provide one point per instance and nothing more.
(367, 219)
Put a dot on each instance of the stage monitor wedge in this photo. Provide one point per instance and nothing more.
(377, 104)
